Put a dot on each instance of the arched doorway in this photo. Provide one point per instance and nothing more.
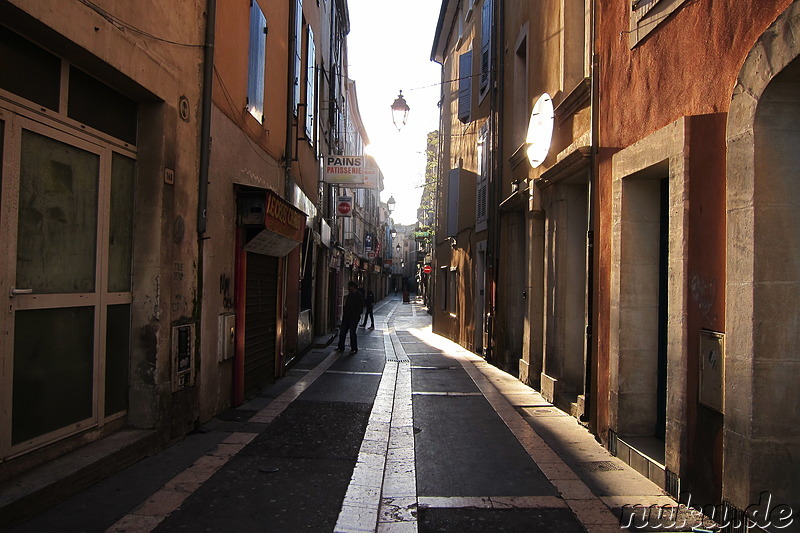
(762, 360)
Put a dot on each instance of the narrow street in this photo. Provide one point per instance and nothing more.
(412, 433)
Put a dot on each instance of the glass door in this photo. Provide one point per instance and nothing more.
(66, 276)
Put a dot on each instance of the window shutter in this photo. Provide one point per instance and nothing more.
(465, 86)
(310, 79)
(452, 202)
(256, 56)
(481, 194)
(298, 43)
(642, 7)
(486, 43)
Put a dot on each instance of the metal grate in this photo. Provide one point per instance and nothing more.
(601, 466)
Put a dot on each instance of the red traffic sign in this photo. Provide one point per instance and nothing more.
(343, 208)
(426, 269)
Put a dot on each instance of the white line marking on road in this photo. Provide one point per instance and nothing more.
(382, 491)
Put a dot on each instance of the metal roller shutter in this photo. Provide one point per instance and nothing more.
(261, 315)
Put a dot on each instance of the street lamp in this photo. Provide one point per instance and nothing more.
(393, 233)
(397, 248)
(400, 111)
(390, 204)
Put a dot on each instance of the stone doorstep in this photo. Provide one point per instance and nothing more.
(55, 481)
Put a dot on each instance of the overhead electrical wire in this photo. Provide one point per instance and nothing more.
(113, 19)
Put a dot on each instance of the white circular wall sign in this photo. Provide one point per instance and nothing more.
(540, 130)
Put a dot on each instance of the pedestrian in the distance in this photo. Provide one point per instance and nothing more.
(370, 303)
(351, 315)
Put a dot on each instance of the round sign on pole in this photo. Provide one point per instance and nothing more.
(426, 269)
(343, 208)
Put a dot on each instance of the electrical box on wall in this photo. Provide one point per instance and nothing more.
(226, 336)
(712, 369)
(182, 357)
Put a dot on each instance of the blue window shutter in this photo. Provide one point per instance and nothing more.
(298, 48)
(256, 59)
(486, 43)
(310, 78)
(465, 87)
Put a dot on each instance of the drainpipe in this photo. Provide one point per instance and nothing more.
(590, 386)
(205, 120)
(496, 113)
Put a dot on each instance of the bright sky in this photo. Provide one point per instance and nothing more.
(389, 49)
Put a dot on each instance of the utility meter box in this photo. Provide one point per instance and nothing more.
(226, 336)
(712, 369)
(182, 357)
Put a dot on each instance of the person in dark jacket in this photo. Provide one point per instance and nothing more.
(351, 315)
(370, 303)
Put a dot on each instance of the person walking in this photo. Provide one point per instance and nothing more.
(370, 303)
(351, 315)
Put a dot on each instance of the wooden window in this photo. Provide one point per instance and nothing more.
(257, 53)
(452, 202)
(465, 86)
(311, 58)
(481, 195)
(486, 46)
(298, 47)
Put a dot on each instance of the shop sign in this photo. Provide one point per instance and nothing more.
(344, 169)
(283, 218)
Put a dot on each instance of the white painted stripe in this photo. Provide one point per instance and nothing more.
(353, 373)
(382, 491)
(418, 393)
(492, 502)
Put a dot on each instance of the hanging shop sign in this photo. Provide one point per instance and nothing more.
(344, 206)
(283, 227)
(354, 171)
(325, 232)
(373, 177)
(344, 169)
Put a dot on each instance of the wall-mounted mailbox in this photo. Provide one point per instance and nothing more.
(712, 369)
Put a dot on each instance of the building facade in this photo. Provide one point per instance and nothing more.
(695, 364)
(165, 213)
(614, 204)
(515, 188)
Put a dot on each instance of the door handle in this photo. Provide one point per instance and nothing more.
(14, 291)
